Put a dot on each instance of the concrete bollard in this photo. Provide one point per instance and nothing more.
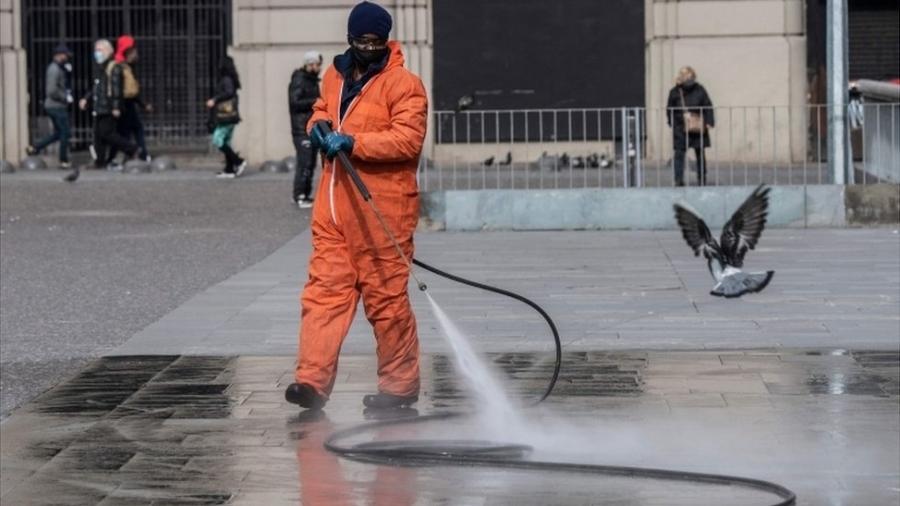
(137, 167)
(34, 163)
(291, 163)
(276, 166)
(162, 163)
(7, 167)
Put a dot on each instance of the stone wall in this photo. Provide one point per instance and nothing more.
(651, 208)
(746, 53)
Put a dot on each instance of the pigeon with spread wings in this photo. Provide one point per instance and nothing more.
(726, 257)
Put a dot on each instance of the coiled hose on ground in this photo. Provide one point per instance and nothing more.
(512, 456)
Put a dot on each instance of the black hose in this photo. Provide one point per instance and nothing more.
(489, 454)
(558, 364)
(480, 453)
(424, 453)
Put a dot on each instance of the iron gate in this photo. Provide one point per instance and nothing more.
(180, 43)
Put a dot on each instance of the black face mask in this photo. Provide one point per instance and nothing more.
(364, 57)
(689, 83)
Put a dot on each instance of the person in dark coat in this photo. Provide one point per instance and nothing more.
(689, 102)
(57, 100)
(105, 101)
(131, 124)
(302, 94)
(224, 116)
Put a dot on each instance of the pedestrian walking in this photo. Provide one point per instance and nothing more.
(105, 101)
(302, 94)
(379, 112)
(57, 100)
(224, 117)
(690, 115)
(131, 123)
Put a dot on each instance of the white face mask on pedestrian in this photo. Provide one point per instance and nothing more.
(99, 56)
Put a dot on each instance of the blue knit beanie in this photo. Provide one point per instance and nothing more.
(367, 17)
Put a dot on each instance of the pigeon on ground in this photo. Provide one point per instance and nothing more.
(72, 176)
(726, 257)
(508, 159)
(488, 162)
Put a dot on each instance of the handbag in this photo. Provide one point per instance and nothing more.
(693, 122)
(226, 112)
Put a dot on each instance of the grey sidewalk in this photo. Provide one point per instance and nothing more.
(166, 430)
(606, 290)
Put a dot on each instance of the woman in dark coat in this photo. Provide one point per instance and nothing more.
(224, 117)
(688, 97)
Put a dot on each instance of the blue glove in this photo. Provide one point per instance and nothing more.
(335, 143)
(315, 139)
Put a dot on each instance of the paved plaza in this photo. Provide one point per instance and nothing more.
(798, 385)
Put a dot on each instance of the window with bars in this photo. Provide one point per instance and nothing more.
(179, 42)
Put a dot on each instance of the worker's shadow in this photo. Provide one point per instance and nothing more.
(322, 477)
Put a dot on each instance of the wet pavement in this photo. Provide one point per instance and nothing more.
(215, 430)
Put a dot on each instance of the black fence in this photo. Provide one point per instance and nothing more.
(180, 43)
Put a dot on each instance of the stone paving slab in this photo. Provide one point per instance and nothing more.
(169, 429)
(609, 290)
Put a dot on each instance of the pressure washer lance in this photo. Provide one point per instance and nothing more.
(325, 129)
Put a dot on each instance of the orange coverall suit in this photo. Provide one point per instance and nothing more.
(352, 255)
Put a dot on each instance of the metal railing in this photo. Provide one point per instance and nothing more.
(633, 147)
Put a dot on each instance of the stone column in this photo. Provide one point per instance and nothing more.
(13, 86)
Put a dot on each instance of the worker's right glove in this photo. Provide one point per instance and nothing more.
(316, 139)
(335, 143)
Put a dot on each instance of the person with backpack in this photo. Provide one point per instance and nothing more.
(302, 94)
(57, 100)
(131, 124)
(224, 117)
(105, 101)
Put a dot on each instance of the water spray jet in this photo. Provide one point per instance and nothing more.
(490, 453)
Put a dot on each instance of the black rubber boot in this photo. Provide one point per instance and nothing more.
(304, 396)
(387, 401)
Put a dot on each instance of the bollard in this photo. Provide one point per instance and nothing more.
(137, 166)
(34, 163)
(291, 163)
(162, 163)
(276, 166)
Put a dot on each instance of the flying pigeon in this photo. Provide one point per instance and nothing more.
(726, 257)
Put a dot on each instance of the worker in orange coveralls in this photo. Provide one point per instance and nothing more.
(377, 110)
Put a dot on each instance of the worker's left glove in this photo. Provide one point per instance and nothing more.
(335, 143)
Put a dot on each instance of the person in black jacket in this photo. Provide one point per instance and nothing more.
(302, 94)
(57, 100)
(690, 114)
(105, 101)
(224, 115)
